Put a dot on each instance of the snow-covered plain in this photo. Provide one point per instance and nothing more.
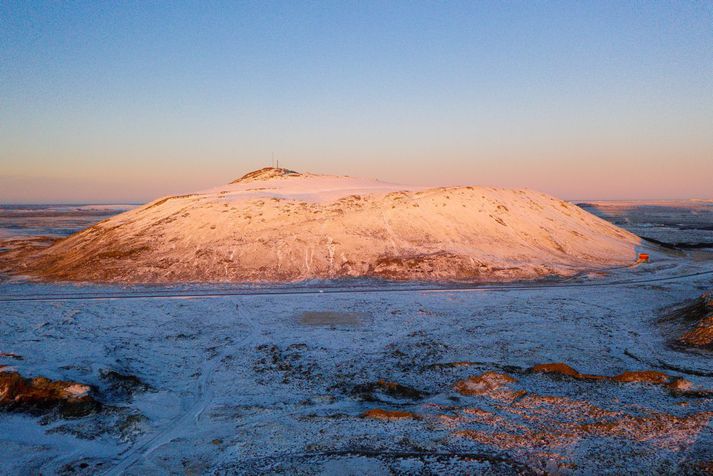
(260, 382)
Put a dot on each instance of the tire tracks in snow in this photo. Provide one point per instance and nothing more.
(178, 426)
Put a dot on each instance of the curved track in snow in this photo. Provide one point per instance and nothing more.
(179, 425)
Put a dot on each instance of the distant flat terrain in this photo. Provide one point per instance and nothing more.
(684, 222)
(24, 221)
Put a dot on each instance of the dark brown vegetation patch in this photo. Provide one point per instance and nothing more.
(678, 386)
(691, 326)
(373, 391)
(388, 415)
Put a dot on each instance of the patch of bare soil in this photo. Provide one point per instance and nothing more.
(331, 318)
(388, 415)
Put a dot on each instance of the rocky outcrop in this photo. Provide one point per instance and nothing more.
(40, 394)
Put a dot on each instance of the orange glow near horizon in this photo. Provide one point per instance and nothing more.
(655, 175)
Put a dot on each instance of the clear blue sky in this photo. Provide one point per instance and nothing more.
(126, 101)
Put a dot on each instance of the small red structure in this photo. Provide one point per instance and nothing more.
(643, 258)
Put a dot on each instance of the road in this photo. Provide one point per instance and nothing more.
(340, 289)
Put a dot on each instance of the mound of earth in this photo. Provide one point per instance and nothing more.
(276, 225)
(691, 326)
(41, 394)
(676, 385)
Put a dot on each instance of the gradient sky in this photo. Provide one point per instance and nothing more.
(127, 101)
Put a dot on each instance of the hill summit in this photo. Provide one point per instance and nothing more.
(277, 225)
(266, 173)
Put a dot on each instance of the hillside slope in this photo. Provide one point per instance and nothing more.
(278, 225)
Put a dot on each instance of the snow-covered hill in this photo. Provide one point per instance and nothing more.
(279, 225)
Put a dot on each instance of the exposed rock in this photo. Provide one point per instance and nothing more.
(41, 394)
(680, 387)
(14, 250)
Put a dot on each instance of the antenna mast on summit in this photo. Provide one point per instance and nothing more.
(273, 160)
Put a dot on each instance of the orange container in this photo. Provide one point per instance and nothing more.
(643, 257)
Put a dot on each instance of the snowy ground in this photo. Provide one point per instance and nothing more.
(249, 383)
(275, 380)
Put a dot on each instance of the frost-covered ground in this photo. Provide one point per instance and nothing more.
(260, 383)
(229, 379)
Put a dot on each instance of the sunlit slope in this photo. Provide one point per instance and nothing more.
(277, 225)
